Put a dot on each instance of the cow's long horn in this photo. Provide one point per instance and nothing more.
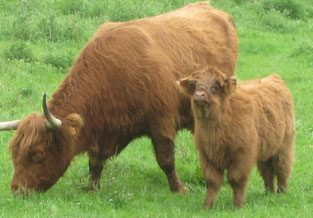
(9, 125)
(52, 121)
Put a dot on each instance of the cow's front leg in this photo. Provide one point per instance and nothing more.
(163, 144)
(95, 169)
(164, 150)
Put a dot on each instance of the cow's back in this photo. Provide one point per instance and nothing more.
(195, 36)
(191, 37)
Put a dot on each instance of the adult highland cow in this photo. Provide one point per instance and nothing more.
(123, 86)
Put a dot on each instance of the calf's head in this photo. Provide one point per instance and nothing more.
(42, 149)
(208, 90)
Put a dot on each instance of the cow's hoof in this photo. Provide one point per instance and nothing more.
(87, 188)
(182, 190)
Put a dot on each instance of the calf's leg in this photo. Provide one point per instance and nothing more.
(267, 172)
(283, 162)
(283, 166)
(213, 178)
(238, 179)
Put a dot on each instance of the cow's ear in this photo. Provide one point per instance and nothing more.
(187, 86)
(73, 123)
(229, 86)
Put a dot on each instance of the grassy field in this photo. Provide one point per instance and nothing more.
(39, 41)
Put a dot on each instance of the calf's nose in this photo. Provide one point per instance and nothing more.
(199, 95)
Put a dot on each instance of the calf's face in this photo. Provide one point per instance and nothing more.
(208, 89)
(41, 155)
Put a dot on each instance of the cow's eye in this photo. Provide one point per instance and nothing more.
(37, 157)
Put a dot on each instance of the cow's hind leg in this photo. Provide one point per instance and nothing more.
(163, 142)
(267, 172)
(95, 169)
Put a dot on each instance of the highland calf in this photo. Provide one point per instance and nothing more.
(237, 127)
(123, 86)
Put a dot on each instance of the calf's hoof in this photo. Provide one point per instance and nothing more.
(207, 206)
(281, 190)
(238, 206)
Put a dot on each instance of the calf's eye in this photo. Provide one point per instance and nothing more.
(214, 89)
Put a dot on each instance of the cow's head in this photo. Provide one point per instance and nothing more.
(42, 149)
(208, 89)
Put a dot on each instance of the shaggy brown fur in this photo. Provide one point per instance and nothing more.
(122, 85)
(239, 127)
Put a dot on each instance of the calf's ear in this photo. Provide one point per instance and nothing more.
(186, 86)
(73, 123)
(229, 86)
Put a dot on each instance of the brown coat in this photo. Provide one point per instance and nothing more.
(122, 86)
(237, 127)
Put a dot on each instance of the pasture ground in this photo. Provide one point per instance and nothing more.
(39, 41)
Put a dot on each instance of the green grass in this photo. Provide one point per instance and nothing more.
(39, 40)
